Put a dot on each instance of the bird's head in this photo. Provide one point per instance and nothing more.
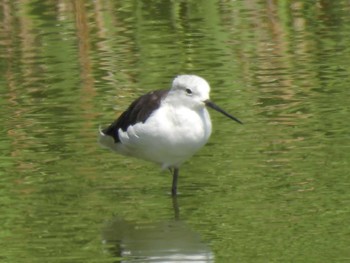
(190, 90)
(193, 91)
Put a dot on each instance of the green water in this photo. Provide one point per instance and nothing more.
(275, 189)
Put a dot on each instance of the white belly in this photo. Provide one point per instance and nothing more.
(168, 137)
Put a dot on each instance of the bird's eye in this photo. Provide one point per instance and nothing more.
(189, 91)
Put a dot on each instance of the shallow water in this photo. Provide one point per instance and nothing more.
(275, 189)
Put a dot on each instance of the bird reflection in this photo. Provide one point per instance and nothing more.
(167, 241)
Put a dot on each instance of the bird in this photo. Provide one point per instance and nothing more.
(166, 127)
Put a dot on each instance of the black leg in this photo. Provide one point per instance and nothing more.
(174, 186)
(176, 208)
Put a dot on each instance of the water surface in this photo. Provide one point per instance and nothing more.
(272, 190)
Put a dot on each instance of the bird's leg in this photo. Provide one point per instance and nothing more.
(176, 207)
(174, 186)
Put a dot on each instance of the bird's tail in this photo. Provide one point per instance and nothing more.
(105, 140)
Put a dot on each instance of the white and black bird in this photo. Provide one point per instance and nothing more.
(165, 126)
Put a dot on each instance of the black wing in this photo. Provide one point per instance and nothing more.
(138, 111)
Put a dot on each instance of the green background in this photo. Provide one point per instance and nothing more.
(275, 189)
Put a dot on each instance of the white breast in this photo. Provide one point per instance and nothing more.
(169, 136)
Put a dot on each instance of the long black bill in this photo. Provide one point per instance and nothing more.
(217, 108)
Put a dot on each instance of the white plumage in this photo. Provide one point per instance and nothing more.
(165, 127)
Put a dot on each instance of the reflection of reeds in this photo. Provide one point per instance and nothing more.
(282, 66)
